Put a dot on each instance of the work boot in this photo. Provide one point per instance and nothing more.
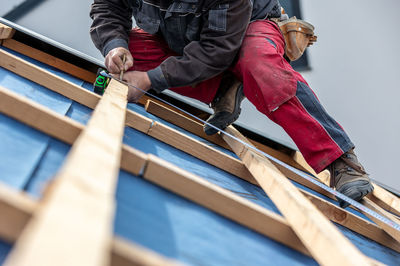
(226, 104)
(349, 178)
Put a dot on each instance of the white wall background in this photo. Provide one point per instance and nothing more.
(355, 73)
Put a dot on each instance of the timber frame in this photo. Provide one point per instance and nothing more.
(29, 221)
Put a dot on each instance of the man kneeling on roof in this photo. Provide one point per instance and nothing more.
(218, 52)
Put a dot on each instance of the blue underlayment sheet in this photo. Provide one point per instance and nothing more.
(178, 228)
(146, 213)
(4, 250)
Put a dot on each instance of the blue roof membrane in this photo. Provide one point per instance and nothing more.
(4, 251)
(40, 156)
(180, 229)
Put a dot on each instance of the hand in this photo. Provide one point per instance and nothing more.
(138, 79)
(114, 63)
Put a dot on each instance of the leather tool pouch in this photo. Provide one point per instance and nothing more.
(298, 35)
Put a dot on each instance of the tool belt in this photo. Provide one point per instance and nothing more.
(298, 35)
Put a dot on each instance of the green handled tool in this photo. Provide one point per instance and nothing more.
(101, 82)
(103, 78)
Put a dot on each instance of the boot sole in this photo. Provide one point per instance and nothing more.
(355, 190)
(223, 124)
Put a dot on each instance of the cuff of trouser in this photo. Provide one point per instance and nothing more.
(158, 81)
(114, 44)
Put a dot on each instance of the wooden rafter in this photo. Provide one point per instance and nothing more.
(80, 201)
(315, 231)
(133, 161)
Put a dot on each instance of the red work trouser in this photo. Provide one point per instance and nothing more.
(270, 83)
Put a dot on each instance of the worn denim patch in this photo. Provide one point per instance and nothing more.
(217, 18)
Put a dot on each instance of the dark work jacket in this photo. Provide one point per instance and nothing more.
(206, 34)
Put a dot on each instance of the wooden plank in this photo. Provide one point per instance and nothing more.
(191, 126)
(80, 201)
(6, 32)
(129, 254)
(58, 126)
(133, 161)
(391, 231)
(353, 222)
(196, 128)
(38, 116)
(326, 244)
(145, 98)
(187, 144)
(16, 209)
(182, 121)
(50, 60)
(299, 158)
(47, 79)
(221, 201)
(385, 199)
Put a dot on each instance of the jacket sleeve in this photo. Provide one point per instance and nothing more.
(112, 22)
(224, 26)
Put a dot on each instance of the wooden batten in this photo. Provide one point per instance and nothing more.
(50, 60)
(16, 209)
(58, 126)
(133, 160)
(6, 32)
(38, 116)
(187, 144)
(196, 128)
(221, 201)
(126, 253)
(390, 230)
(326, 244)
(48, 79)
(80, 201)
(182, 121)
(385, 199)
